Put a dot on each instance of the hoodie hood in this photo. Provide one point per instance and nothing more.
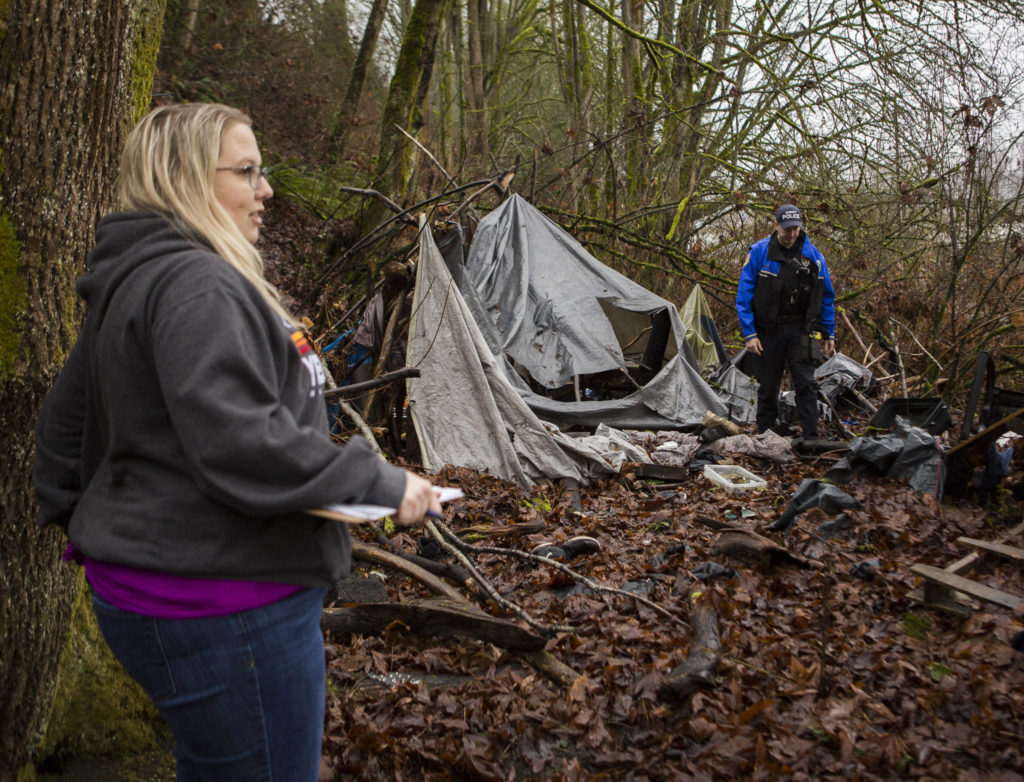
(124, 242)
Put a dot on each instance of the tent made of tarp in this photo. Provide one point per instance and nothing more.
(464, 410)
(554, 316)
(702, 333)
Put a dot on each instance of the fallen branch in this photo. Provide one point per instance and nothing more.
(361, 425)
(500, 183)
(380, 197)
(378, 556)
(450, 542)
(743, 544)
(545, 662)
(385, 348)
(856, 336)
(697, 671)
(592, 585)
(357, 389)
(436, 617)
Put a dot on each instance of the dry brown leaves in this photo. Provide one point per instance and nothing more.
(824, 675)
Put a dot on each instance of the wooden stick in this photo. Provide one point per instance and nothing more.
(533, 558)
(385, 348)
(356, 389)
(415, 572)
(451, 543)
(899, 362)
(856, 336)
(427, 152)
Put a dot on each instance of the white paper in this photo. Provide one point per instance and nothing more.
(372, 512)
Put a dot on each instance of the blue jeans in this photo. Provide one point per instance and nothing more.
(243, 694)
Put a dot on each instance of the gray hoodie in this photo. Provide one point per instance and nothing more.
(187, 431)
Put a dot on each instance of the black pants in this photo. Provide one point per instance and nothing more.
(782, 349)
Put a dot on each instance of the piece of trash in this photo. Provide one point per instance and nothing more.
(829, 529)
(641, 587)
(1017, 642)
(428, 548)
(866, 568)
(733, 478)
(747, 513)
(812, 493)
(570, 549)
(707, 571)
(678, 548)
(572, 589)
(729, 515)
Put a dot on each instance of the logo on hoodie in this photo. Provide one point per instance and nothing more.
(311, 361)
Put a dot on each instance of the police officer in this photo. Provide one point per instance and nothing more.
(785, 305)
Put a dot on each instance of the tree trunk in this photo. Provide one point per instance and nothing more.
(72, 81)
(348, 110)
(475, 94)
(404, 105)
(189, 14)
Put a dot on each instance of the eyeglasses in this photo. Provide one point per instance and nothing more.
(253, 173)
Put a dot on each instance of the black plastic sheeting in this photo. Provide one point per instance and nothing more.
(813, 493)
(909, 454)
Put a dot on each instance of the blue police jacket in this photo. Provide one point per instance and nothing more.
(759, 292)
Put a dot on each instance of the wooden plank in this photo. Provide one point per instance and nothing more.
(662, 472)
(964, 457)
(972, 588)
(967, 562)
(1010, 552)
(973, 448)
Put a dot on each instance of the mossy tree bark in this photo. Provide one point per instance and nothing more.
(404, 108)
(72, 82)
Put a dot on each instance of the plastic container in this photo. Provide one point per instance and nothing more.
(733, 478)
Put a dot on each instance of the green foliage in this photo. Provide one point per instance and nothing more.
(316, 189)
(542, 504)
(938, 671)
(203, 89)
(661, 525)
(916, 626)
(97, 710)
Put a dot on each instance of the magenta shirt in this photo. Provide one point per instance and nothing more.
(169, 596)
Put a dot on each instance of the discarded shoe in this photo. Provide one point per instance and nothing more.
(572, 548)
(1017, 642)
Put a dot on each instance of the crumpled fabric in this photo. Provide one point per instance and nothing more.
(767, 445)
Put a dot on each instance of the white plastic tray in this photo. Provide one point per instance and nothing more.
(733, 478)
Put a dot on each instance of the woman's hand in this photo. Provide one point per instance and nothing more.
(418, 498)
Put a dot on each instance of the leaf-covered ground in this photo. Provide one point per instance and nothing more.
(830, 673)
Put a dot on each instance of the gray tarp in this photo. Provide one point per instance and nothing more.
(464, 409)
(543, 302)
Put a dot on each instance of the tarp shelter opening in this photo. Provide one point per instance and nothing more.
(702, 333)
(582, 344)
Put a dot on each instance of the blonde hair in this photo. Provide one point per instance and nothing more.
(168, 166)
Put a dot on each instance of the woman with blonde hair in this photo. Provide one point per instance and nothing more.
(181, 445)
